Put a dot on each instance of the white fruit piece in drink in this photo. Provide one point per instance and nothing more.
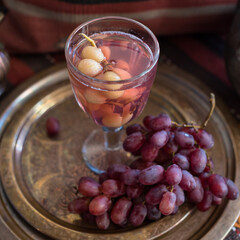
(93, 53)
(93, 96)
(112, 76)
(114, 120)
(123, 65)
(106, 51)
(89, 67)
(126, 118)
(122, 73)
(131, 95)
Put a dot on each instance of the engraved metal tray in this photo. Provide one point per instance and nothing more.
(38, 173)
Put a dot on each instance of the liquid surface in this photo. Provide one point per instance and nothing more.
(124, 51)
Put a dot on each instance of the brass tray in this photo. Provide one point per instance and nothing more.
(38, 173)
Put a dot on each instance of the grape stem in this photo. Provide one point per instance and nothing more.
(170, 188)
(213, 104)
(204, 124)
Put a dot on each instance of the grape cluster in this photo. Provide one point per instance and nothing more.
(172, 167)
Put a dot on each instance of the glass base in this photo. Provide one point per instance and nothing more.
(97, 157)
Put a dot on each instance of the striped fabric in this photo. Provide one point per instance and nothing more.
(42, 26)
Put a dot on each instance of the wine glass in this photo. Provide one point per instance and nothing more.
(113, 90)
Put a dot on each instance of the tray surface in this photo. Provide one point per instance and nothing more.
(38, 173)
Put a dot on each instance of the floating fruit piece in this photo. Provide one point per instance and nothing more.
(122, 64)
(106, 51)
(114, 120)
(93, 96)
(93, 107)
(122, 73)
(105, 110)
(130, 95)
(113, 94)
(127, 118)
(112, 76)
(93, 53)
(127, 109)
(89, 67)
(100, 76)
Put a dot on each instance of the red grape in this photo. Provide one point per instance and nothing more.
(216, 200)
(204, 179)
(140, 164)
(159, 139)
(175, 210)
(198, 161)
(79, 205)
(171, 147)
(115, 171)
(188, 182)
(134, 128)
(121, 210)
(130, 177)
(138, 214)
(180, 197)
(134, 191)
(217, 185)
(181, 161)
(184, 140)
(99, 205)
(167, 203)
(147, 121)
(189, 130)
(233, 192)
(133, 142)
(154, 195)
(153, 212)
(103, 221)
(196, 195)
(206, 203)
(204, 139)
(52, 126)
(210, 165)
(113, 188)
(151, 175)
(161, 122)
(149, 152)
(88, 187)
(173, 174)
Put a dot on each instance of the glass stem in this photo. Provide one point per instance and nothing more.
(112, 138)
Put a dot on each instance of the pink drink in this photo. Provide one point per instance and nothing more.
(116, 103)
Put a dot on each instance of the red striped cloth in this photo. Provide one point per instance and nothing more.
(43, 26)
